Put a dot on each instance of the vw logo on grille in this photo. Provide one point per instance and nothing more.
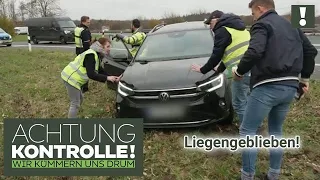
(164, 96)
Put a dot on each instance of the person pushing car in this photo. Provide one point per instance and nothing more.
(87, 65)
(231, 40)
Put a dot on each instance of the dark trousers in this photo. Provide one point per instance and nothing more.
(79, 51)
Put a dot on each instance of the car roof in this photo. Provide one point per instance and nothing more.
(184, 26)
(44, 20)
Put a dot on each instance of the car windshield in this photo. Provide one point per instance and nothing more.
(176, 45)
(66, 24)
(1, 30)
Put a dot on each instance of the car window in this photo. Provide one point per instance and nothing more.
(66, 24)
(176, 45)
(1, 30)
(118, 47)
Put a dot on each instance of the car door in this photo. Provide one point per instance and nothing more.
(54, 32)
(45, 31)
(118, 60)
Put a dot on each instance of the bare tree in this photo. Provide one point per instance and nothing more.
(3, 8)
(198, 12)
(171, 18)
(41, 8)
(12, 10)
(22, 10)
(48, 7)
(32, 9)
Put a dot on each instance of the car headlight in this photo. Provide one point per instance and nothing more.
(66, 32)
(124, 90)
(211, 84)
(10, 37)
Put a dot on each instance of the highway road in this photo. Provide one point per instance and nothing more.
(118, 45)
(56, 46)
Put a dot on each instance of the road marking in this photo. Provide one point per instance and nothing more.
(316, 44)
(22, 45)
(318, 65)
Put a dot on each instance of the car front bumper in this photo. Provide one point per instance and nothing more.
(192, 112)
(69, 37)
(5, 42)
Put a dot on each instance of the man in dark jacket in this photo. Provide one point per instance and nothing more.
(83, 35)
(231, 40)
(83, 40)
(277, 54)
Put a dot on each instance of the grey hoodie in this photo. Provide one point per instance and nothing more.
(97, 47)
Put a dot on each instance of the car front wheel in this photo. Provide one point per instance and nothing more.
(63, 40)
(35, 40)
(229, 119)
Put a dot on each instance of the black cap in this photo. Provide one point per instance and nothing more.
(213, 15)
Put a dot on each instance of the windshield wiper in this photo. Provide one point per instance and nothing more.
(143, 61)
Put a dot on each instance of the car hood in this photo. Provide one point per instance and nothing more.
(164, 74)
(3, 34)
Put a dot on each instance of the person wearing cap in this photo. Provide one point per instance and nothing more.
(277, 55)
(231, 40)
(136, 39)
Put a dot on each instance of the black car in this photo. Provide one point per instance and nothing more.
(51, 29)
(159, 85)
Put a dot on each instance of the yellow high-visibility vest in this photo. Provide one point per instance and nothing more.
(75, 73)
(135, 40)
(77, 36)
(235, 51)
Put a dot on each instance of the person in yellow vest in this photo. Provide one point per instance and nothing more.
(231, 40)
(82, 35)
(136, 39)
(85, 66)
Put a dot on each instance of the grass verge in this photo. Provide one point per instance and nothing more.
(31, 88)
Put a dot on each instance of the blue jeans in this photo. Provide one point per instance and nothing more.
(270, 100)
(240, 91)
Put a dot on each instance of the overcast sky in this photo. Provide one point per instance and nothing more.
(128, 9)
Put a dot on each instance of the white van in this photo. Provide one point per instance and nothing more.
(21, 30)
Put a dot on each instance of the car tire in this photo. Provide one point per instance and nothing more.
(229, 119)
(35, 40)
(63, 40)
(8, 45)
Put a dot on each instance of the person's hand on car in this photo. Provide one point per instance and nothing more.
(196, 67)
(112, 78)
(120, 36)
(118, 78)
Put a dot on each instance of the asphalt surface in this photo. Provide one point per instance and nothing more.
(117, 45)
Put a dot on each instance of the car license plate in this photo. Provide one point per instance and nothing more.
(4, 41)
(166, 112)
